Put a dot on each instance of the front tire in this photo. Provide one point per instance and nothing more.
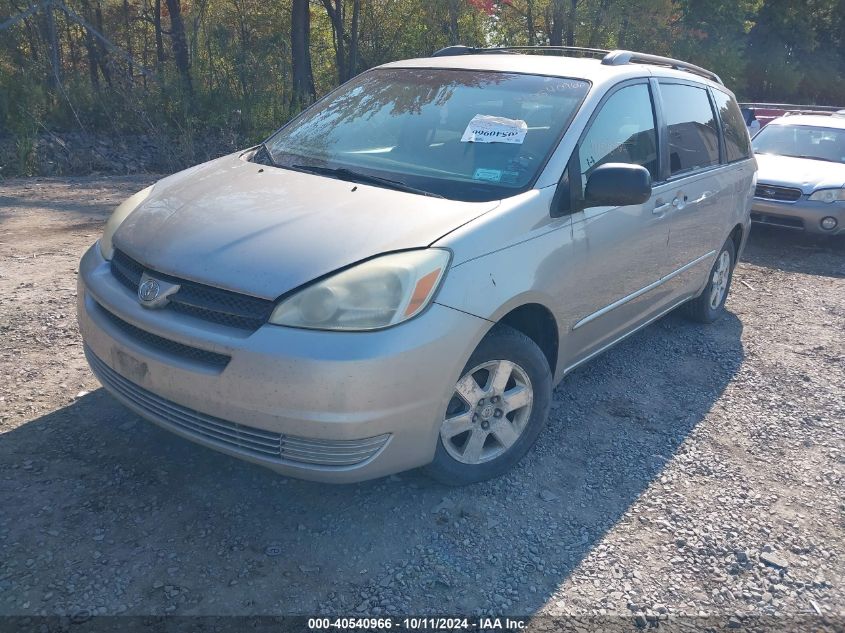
(710, 304)
(499, 406)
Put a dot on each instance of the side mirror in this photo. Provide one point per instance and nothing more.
(617, 185)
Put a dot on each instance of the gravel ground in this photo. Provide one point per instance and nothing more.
(690, 470)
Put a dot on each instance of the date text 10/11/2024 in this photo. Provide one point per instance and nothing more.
(418, 624)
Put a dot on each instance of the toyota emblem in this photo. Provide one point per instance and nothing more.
(149, 290)
(155, 293)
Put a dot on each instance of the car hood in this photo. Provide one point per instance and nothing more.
(802, 173)
(264, 231)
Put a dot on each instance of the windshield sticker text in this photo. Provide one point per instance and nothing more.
(484, 128)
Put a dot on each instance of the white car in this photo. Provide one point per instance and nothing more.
(801, 178)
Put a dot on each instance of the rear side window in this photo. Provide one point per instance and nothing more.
(737, 143)
(693, 135)
(622, 132)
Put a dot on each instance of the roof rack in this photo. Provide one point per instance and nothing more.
(620, 58)
(608, 58)
(811, 112)
(472, 50)
(790, 106)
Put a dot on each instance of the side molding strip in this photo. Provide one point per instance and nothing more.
(641, 291)
(623, 337)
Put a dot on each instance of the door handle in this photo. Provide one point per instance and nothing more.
(661, 208)
(702, 197)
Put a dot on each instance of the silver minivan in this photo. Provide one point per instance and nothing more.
(400, 275)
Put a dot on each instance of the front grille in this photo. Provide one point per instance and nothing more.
(773, 192)
(198, 300)
(266, 445)
(148, 339)
(127, 270)
(777, 220)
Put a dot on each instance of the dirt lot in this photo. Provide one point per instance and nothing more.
(691, 470)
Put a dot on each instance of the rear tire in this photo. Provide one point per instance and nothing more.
(500, 405)
(710, 304)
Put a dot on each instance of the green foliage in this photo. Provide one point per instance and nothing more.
(798, 50)
(239, 87)
(21, 108)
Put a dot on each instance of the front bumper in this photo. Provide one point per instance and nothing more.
(802, 215)
(326, 406)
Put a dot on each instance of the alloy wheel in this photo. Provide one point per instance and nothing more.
(721, 276)
(488, 412)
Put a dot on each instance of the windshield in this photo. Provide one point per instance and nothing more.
(804, 141)
(463, 135)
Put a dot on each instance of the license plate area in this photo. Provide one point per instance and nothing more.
(129, 366)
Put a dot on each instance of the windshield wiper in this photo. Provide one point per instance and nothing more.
(343, 173)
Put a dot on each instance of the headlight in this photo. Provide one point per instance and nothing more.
(374, 294)
(117, 217)
(828, 195)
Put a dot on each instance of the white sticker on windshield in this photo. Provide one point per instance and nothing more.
(484, 128)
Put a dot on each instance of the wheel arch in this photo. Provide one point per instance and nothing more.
(737, 235)
(538, 323)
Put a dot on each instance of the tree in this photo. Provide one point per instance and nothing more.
(302, 77)
(713, 35)
(820, 69)
(180, 45)
(236, 69)
(158, 34)
(454, 15)
(53, 46)
(345, 42)
(555, 16)
(780, 48)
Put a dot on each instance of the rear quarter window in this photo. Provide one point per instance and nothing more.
(693, 133)
(737, 141)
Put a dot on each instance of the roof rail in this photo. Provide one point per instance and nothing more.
(811, 112)
(608, 58)
(472, 50)
(620, 58)
(789, 107)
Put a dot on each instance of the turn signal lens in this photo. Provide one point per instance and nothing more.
(422, 292)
